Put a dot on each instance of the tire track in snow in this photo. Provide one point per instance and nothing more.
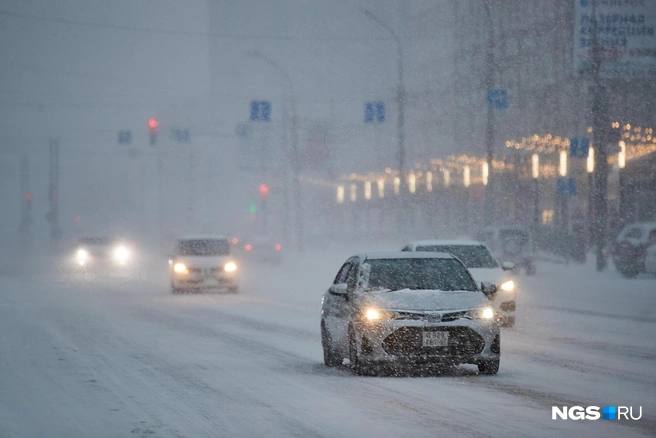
(292, 361)
(543, 398)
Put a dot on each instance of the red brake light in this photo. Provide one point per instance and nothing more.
(278, 247)
(248, 247)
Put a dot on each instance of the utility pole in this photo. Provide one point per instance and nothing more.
(601, 130)
(489, 126)
(295, 158)
(26, 201)
(53, 192)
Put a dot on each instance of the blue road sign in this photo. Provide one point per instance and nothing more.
(498, 98)
(125, 136)
(260, 110)
(566, 186)
(578, 147)
(374, 112)
(182, 135)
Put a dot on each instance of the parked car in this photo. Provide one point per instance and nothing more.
(483, 267)
(201, 263)
(650, 259)
(630, 248)
(408, 309)
(510, 243)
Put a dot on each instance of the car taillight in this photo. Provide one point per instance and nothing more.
(248, 247)
(278, 247)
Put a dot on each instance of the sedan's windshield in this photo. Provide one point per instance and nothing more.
(204, 247)
(417, 274)
(473, 256)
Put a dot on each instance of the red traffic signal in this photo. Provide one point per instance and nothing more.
(264, 190)
(153, 123)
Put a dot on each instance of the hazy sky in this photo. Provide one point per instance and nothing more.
(80, 70)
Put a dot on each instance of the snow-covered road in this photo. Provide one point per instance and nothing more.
(110, 358)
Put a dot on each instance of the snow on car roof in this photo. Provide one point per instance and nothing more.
(377, 255)
(463, 242)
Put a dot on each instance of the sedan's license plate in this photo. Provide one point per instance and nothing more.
(435, 339)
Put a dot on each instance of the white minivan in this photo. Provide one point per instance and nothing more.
(203, 262)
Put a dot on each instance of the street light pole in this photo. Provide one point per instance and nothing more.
(400, 98)
(489, 126)
(296, 164)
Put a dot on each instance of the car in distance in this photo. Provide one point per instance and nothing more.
(201, 263)
(408, 308)
(630, 249)
(510, 243)
(483, 267)
(102, 254)
(262, 249)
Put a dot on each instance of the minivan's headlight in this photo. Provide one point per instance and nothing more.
(486, 313)
(180, 268)
(508, 286)
(230, 267)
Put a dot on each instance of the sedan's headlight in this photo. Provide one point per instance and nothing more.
(121, 254)
(180, 268)
(508, 286)
(373, 314)
(82, 256)
(230, 267)
(486, 313)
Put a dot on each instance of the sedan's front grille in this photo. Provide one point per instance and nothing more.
(431, 316)
(452, 316)
(463, 341)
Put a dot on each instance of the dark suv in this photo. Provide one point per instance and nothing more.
(630, 247)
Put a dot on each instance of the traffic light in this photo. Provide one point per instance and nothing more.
(264, 191)
(153, 128)
(252, 208)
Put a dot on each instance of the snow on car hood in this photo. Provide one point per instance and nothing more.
(490, 275)
(406, 299)
(203, 261)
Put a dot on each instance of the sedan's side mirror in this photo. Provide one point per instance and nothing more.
(489, 289)
(507, 266)
(339, 289)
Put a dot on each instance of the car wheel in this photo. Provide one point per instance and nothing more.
(330, 358)
(175, 290)
(233, 289)
(357, 366)
(488, 367)
(629, 270)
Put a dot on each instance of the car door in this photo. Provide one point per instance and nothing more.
(650, 259)
(335, 308)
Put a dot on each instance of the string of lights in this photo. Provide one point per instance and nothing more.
(468, 169)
